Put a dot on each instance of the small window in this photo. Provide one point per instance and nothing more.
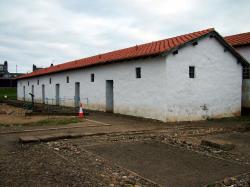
(191, 72)
(67, 79)
(28, 83)
(138, 72)
(92, 77)
(37, 82)
(175, 52)
(49, 80)
(195, 43)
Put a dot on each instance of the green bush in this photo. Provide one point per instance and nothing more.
(11, 93)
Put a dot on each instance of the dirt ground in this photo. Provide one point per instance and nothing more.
(10, 115)
(119, 150)
(13, 115)
(168, 165)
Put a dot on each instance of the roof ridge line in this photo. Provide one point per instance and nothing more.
(128, 53)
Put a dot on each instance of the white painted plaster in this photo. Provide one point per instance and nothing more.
(139, 97)
(216, 86)
(244, 51)
(165, 91)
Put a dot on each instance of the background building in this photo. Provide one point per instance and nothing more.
(7, 79)
(241, 42)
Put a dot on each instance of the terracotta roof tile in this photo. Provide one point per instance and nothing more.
(238, 39)
(144, 50)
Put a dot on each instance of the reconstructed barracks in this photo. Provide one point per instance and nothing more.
(189, 77)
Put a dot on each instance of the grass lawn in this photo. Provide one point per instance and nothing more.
(43, 122)
(57, 121)
(9, 92)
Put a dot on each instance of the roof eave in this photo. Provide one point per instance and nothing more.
(241, 45)
(92, 65)
(239, 57)
(215, 34)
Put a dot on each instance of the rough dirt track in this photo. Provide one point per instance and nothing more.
(106, 159)
(169, 165)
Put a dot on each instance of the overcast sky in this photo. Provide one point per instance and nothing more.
(44, 31)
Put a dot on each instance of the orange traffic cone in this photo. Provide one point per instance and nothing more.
(81, 115)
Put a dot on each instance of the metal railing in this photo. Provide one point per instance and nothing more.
(70, 102)
(64, 105)
(50, 106)
(54, 106)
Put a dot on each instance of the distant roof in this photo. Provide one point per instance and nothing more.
(139, 51)
(238, 39)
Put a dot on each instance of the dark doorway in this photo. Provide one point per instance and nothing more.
(77, 94)
(109, 96)
(43, 93)
(24, 93)
(32, 89)
(57, 94)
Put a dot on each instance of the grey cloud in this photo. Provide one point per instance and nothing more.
(60, 30)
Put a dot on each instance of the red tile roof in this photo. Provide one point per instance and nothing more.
(138, 51)
(238, 39)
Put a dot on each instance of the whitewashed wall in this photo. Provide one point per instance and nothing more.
(138, 97)
(165, 91)
(244, 51)
(216, 87)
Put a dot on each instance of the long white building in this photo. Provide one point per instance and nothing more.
(190, 77)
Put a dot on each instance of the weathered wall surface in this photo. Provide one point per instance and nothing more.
(244, 51)
(214, 92)
(246, 93)
(138, 97)
(165, 91)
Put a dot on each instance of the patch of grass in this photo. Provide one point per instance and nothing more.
(58, 121)
(9, 92)
(45, 122)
